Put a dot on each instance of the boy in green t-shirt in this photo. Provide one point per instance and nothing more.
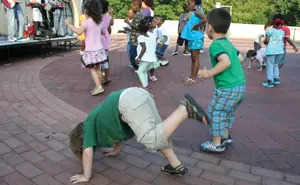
(229, 79)
(122, 115)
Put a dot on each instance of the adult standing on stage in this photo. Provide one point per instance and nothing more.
(36, 16)
(147, 8)
(15, 15)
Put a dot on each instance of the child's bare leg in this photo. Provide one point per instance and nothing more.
(151, 72)
(195, 63)
(106, 71)
(160, 58)
(260, 66)
(83, 45)
(96, 75)
(171, 156)
(216, 140)
(177, 47)
(186, 50)
(226, 133)
(174, 120)
(249, 63)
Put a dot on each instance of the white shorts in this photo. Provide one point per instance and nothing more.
(138, 110)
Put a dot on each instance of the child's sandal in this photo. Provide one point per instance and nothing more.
(105, 82)
(189, 81)
(194, 110)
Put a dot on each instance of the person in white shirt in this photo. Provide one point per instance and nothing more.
(37, 16)
(146, 51)
(163, 40)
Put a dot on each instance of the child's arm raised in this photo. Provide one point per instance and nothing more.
(131, 24)
(78, 31)
(222, 65)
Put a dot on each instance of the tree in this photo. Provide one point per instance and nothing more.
(244, 11)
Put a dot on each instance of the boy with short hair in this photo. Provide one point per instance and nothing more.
(229, 79)
(163, 40)
(122, 115)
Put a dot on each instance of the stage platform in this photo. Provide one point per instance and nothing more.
(46, 44)
(5, 44)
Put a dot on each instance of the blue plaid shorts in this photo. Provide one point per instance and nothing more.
(222, 107)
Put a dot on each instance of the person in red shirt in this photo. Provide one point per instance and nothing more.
(286, 39)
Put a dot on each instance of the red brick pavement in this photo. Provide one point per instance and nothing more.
(34, 127)
(266, 133)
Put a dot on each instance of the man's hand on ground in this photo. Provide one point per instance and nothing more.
(78, 179)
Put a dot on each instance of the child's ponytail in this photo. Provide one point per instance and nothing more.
(94, 10)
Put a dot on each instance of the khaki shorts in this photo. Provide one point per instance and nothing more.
(138, 110)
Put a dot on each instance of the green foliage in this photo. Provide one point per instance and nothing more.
(243, 11)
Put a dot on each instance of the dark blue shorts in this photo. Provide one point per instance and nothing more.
(160, 50)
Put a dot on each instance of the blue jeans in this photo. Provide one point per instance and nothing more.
(283, 57)
(128, 49)
(272, 66)
(15, 16)
(133, 54)
(160, 50)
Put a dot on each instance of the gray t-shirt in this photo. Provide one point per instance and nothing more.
(182, 21)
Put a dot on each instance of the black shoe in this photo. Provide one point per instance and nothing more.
(194, 110)
(180, 170)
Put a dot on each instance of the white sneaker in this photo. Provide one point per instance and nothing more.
(24, 39)
(186, 54)
(164, 63)
(201, 51)
(175, 53)
(130, 66)
(97, 91)
(153, 78)
(12, 39)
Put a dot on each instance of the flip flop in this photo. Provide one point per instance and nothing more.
(195, 111)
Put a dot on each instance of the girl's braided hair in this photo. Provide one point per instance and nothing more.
(145, 24)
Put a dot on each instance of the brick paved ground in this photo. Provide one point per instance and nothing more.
(34, 127)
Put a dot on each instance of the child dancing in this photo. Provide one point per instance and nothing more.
(274, 51)
(180, 41)
(106, 23)
(229, 79)
(94, 54)
(123, 115)
(81, 37)
(193, 34)
(146, 51)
